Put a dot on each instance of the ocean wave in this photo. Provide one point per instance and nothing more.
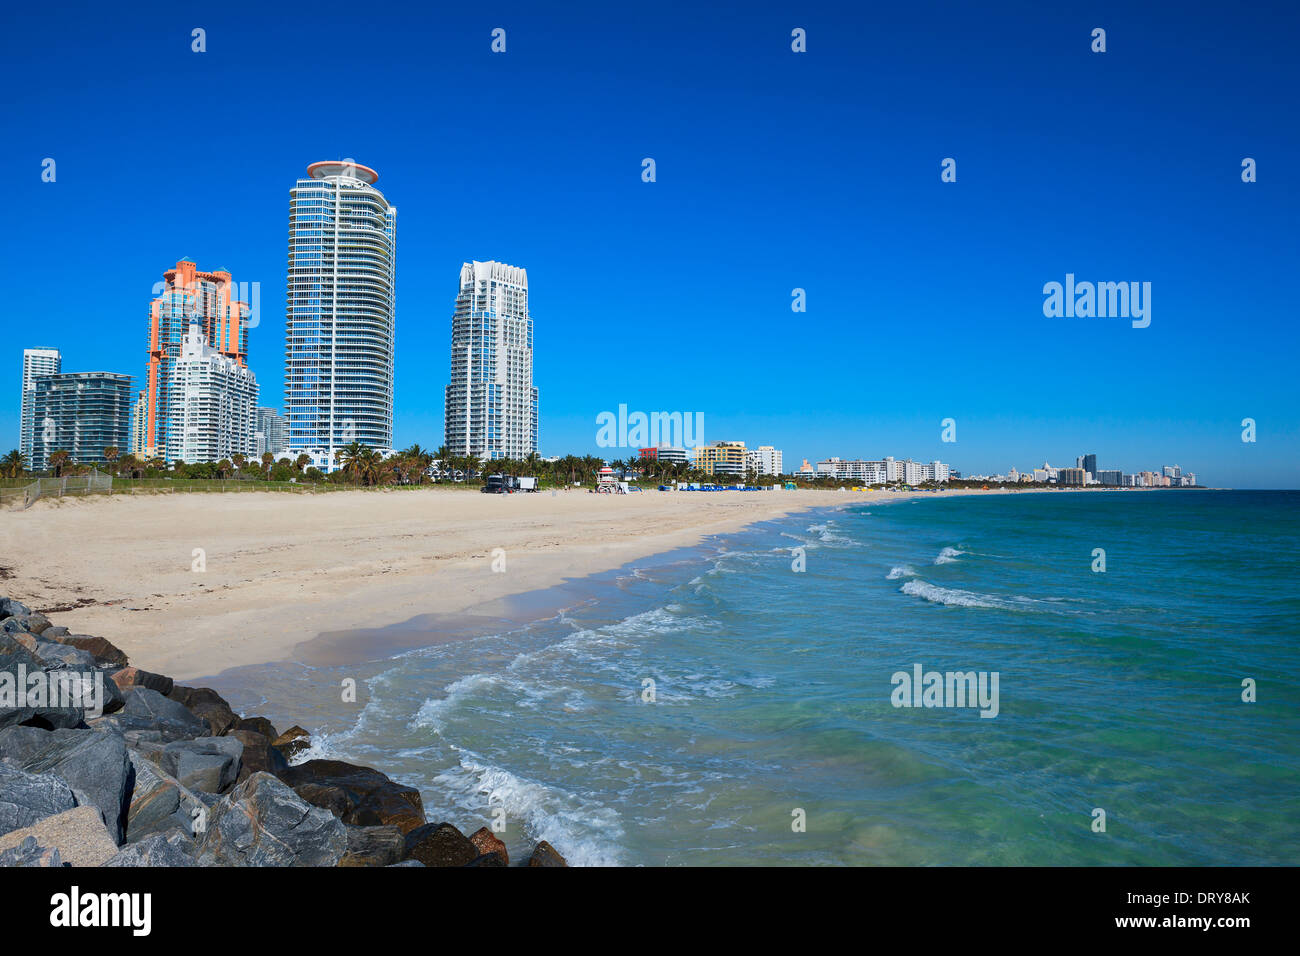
(901, 571)
(584, 830)
(951, 596)
(947, 555)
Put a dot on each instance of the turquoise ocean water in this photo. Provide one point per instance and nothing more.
(1119, 691)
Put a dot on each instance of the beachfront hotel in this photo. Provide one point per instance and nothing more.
(187, 296)
(81, 413)
(491, 409)
(212, 404)
(721, 458)
(36, 362)
(340, 319)
(883, 471)
(270, 432)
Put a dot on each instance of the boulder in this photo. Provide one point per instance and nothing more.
(37, 622)
(156, 717)
(30, 853)
(546, 855)
(206, 703)
(209, 764)
(258, 725)
(54, 633)
(14, 625)
(486, 859)
(18, 667)
(357, 795)
(56, 656)
(264, 823)
(486, 842)
(373, 846)
(259, 755)
(18, 743)
(406, 863)
(292, 742)
(439, 844)
(78, 834)
(25, 639)
(94, 764)
(26, 797)
(12, 607)
(153, 850)
(105, 653)
(134, 677)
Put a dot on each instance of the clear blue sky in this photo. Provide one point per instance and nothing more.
(776, 170)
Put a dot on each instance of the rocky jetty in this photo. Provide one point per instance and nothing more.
(105, 764)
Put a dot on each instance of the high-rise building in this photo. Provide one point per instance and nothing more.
(35, 362)
(187, 296)
(721, 458)
(1109, 477)
(1090, 464)
(764, 460)
(491, 409)
(340, 314)
(1070, 476)
(212, 406)
(139, 416)
(270, 432)
(81, 413)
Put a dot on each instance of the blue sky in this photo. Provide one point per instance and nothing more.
(776, 170)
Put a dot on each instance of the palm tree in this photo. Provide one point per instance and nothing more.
(238, 459)
(267, 461)
(110, 455)
(301, 462)
(13, 464)
(223, 467)
(349, 457)
(368, 465)
(59, 459)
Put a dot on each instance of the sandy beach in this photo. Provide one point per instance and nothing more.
(282, 569)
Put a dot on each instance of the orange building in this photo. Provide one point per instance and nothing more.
(187, 297)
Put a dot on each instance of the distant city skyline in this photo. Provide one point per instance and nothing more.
(775, 171)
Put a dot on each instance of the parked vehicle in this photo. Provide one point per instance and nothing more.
(495, 485)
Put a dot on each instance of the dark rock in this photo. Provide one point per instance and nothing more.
(134, 677)
(292, 742)
(546, 855)
(30, 853)
(439, 844)
(104, 652)
(264, 823)
(259, 755)
(373, 846)
(26, 639)
(54, 633)
(56, 656)
(37, 622)
(486, 842)
(156, 717)
(159, 804)
(28, 797)
(487, 859)
(14, 625)
(209, 764)
(12, 607)
(95, 765)
(357, 795)
(18, 743)
(153, 850)
(208, 704)
(406, 863)
(17, 665)
(258, 725)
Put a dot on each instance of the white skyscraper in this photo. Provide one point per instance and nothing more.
(35, 362)
(491, 407)
(212, 404)
(339, 324)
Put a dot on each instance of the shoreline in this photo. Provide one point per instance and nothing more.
(198, 585)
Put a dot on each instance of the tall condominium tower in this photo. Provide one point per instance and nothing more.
(35, 362)
(187, 295)
(270, 432)
(339, 324)
(491, 402)
(81, 413)
(212, 406)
